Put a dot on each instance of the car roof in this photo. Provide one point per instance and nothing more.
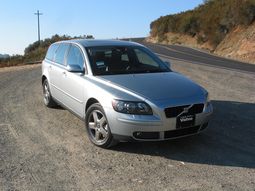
(93, 43)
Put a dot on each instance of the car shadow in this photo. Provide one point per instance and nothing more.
(228, 141)
(58, 107)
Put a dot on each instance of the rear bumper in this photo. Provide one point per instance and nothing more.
(153, 128)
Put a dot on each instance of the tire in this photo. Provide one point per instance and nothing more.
(99, 131)
(47, 98)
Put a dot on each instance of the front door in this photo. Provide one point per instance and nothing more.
(72, 83)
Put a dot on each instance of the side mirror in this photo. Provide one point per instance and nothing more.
(75, 68)
(168, 64)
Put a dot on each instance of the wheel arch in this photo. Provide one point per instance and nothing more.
(43, 78)
(90, 102)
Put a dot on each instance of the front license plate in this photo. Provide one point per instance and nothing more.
(185, 121)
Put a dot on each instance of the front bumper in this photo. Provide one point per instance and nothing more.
(126, 127)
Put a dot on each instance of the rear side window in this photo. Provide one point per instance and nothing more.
(60, 53)
(51, 52)
(75, 57)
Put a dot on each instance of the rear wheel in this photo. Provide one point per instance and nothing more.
(98, 128)
(47, 98)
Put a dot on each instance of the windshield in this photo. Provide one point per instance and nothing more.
(124, 60)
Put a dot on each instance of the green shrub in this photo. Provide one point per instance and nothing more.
(201, 39)
(247, 13)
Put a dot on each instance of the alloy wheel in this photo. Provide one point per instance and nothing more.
(98, 127)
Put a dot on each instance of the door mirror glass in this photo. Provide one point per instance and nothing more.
(75, 68)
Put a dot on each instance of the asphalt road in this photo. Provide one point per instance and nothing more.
(47, 149)
(186, 54)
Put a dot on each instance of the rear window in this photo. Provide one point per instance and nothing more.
(51, 52)
(60, 53)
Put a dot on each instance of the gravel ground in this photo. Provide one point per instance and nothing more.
(47, 149)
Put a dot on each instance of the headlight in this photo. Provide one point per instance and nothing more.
(131, 107)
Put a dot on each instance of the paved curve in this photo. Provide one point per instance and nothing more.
(190, 55)
(47, 149)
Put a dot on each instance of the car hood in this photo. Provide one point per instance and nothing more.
(156, 86)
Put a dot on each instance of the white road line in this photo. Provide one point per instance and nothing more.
(204, 64)
(203, 57)
(217, 57)
(212, 54)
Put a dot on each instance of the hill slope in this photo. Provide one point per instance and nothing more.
(210, 26)
(239, 44)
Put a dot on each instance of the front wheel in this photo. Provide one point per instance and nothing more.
(98, 128)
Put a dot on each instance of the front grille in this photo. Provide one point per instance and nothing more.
(196, 108)
(175, 111)
(181, 132)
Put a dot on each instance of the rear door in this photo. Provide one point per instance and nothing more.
(72, 83)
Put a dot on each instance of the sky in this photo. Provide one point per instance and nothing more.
(104, 19)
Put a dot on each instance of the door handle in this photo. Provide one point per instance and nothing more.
(64, 73)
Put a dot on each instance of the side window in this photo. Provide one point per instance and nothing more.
(75, 57)
(60, 53)
(51, 51)
(144, 58)
(124, 57)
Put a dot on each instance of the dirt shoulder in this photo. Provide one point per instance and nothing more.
(17, 68)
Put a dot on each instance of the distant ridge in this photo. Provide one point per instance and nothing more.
(35, 52)
(225, 27)
(4, 55)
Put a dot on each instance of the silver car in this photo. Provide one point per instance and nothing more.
(123, 92)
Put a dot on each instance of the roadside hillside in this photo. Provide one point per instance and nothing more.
(239, 44)
(36, 51)
(223, 27)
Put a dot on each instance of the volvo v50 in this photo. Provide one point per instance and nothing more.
(123, 92)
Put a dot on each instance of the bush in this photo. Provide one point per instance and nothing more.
(189, 25)
(201, 39)
(247, 13)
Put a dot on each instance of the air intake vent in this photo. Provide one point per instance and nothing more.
(181, 132)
